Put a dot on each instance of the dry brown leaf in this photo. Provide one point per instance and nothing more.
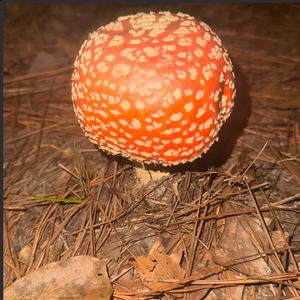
(233, 292)
(80, 277)
(236, 242)
(199, 268)
(212, 295)
(128, 283)
(24, 253)
(242, 237)
(280, 239)
(157, 268)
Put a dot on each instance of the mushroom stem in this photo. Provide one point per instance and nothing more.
(145, 175)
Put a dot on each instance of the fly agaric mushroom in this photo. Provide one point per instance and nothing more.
(155, 88)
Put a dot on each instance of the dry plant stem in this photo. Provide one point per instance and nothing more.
(126, 210)
(48, 245)
(66, 220)
(11, 92)
(107, 218)
(33, 133)
(21, 208)
(197, 232)
(91, 221)
(175, 190)
(12, 254)
(40, 229)
(200, 279)
(280, 268)
(265, 135)
(291, 254)
(80, 237)
(46, 74)
(114, 229)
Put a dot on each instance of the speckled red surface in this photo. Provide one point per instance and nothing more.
(153, 87)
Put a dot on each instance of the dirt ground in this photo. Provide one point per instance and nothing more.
(223, 227)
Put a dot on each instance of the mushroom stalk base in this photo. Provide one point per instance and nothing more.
(146, 176)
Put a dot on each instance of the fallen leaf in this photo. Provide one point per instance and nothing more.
(232, 292)
(128, 283)
(280, 239)
(238, 240)
(212, 295)
(157, 268)
(80, 277)
(25, 253)
(241, 237)
(200, 266)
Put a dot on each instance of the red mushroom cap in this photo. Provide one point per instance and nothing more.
(153, 87)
